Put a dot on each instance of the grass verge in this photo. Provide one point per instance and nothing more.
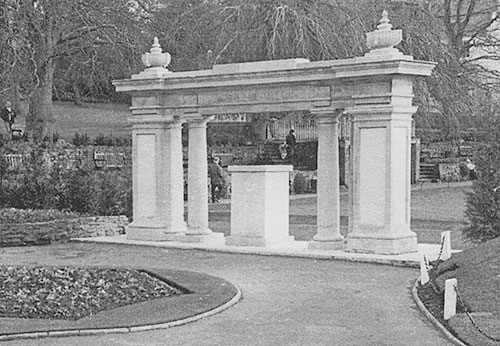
(477, 271)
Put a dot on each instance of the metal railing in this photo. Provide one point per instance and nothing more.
(304, 129)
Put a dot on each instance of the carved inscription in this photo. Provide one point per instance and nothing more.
(264, 95)
(179, 100)
(348, 90)
(143, 101)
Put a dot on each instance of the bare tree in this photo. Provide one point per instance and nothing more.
(47, 32)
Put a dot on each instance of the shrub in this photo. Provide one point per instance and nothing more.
(299, 183)
(80, 140)
(98, 192)
(46, 182)
(34, 187)
(112, 141)
(483, 202)
(13, 215)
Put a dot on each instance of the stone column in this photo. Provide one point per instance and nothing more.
(380, 189)
(328, 236)
(198, 230)
(157, 181)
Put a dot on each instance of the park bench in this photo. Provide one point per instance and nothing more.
(17, 130)
(14, 161)
(109, 160)
(465, 150)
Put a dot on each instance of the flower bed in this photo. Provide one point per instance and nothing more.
(25, 227)
(72, 293)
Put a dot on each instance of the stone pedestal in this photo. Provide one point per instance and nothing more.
(380, 189)
(328, 224)
(259, 206)
(158, 208)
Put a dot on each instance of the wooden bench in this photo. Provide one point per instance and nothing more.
(14, 161)
(465, 150)
(110, 160)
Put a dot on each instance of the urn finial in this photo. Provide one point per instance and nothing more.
(155, 58)
(384, 37)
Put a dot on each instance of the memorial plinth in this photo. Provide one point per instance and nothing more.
(259, 206)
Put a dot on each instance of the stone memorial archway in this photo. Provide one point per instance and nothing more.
(376, 90)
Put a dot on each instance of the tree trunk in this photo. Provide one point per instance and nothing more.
(41, 120)
(78, 94)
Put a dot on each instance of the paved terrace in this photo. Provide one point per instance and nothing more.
(436, 207)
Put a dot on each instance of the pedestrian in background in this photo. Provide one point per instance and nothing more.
(8, 116)
(217, 179)
(291, 143)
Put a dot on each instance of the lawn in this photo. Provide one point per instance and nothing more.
(89, 118)
(92, 119)
(477, 271)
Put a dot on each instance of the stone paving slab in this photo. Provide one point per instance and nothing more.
(292, 249)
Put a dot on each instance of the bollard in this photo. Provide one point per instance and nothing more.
(424, 275)
(446, 244)
(450, 298)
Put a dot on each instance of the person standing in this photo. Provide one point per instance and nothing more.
(8, 115)
(291, 143)
(217, 179)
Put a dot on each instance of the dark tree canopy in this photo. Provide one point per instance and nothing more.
(72, 49)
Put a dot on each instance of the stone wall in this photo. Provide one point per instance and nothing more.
(112, 157)
(41, 233)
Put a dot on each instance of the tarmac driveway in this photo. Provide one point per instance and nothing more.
(286, 301)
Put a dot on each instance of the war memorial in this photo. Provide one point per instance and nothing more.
(375, 90)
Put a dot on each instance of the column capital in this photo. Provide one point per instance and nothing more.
(381, 109)
(157, 123)
(326, 115)
(192, 118)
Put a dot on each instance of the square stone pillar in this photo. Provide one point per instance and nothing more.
(259, 206)
(379, 219)
(158, 198)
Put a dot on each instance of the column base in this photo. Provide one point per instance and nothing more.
(208, 238)
(152, 231)
(235, 240)
(382, 245)
(337, 244)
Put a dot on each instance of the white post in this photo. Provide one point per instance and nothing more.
(328, 199)
(424, 274)
(450, 298)
(197, 230)
(446, 244)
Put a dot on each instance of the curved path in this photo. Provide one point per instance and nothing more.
(286, 301)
